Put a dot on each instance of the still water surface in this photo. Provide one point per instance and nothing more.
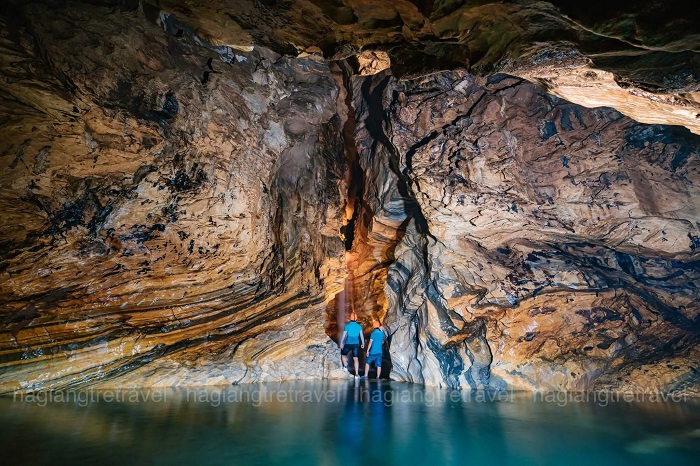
(343, 423)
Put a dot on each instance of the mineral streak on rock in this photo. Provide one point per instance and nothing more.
(639, 56)
(565, 232)
(160, 228)
(198, 192)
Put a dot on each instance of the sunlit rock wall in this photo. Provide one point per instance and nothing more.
(535, 243)
(170, 208)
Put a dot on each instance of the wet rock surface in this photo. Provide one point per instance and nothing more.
(198, 193)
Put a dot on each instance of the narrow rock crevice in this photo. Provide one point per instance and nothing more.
(409, 316)
(195, 195)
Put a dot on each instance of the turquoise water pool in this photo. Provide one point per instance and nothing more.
(344, 423)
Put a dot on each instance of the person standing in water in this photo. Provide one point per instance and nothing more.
(374, 350)
(349, 342)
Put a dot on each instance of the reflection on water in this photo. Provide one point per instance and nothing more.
(363, 422)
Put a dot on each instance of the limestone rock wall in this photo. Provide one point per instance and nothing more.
(641, 57)
(198, 192)
(534, 243)
(170, 207)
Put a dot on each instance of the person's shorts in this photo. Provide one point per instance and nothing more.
(348, 348)
(375, 358)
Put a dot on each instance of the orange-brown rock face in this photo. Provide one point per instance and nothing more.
(640, 56)
(541, 245)
(166, 203)
(197, 192)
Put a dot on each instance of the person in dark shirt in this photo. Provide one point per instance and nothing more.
(349, 342)
(374, 350)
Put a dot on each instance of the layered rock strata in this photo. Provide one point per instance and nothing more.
(192, 194)
(170, 208)
(558, 243)
(641, 57)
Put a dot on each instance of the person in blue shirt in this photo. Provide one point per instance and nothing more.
(374, 350)
(349, 342)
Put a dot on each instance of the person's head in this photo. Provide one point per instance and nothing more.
(375, 323)
(353, 316)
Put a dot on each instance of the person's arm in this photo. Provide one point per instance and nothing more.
(362, 339)
(343, 338)
(369, 347)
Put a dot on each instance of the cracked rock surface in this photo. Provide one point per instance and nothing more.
(170, 209)
(198, 192)
(558, 243)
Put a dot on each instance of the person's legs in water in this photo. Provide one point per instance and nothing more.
(356, 360)
(375, 359)
(347, 350)
(378, 365)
